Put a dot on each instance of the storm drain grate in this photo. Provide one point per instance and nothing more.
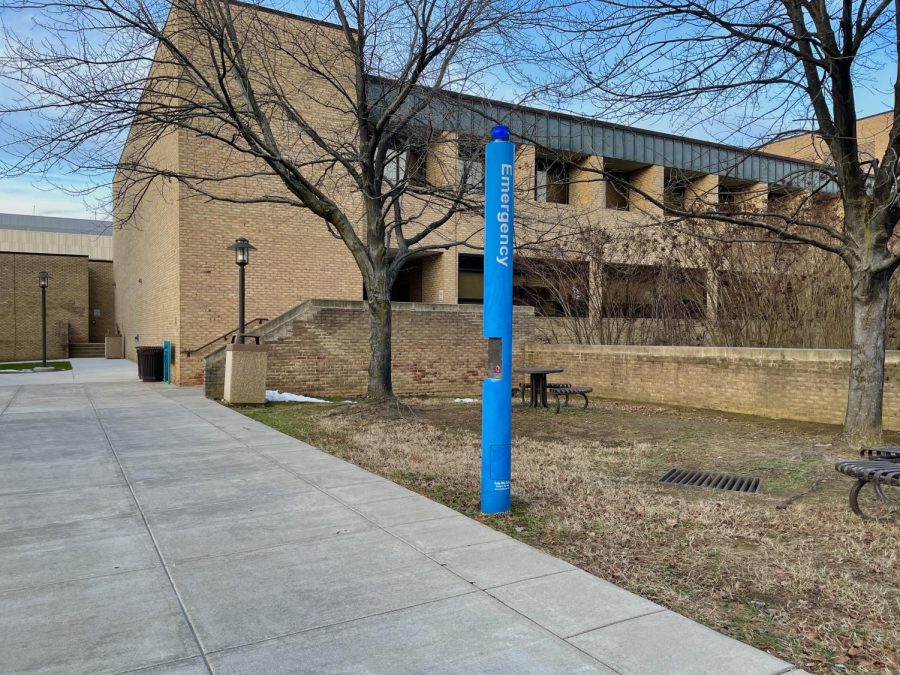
(707, 479)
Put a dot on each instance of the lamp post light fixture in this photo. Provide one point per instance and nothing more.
(43, 282)
(241, 248)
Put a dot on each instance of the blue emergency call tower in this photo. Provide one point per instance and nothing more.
(496, 399)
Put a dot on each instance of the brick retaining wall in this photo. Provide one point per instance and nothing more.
(321, 348)
(799, 384)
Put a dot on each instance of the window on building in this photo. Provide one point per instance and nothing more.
(653, 292)
(628, 291)
(416, 165)
(743, 296)
(617, 196)
(555, 288)
(395, 167)
(675, 190)
(728, 198)
(470, 279)
(408, 284)
(406, 162)
(551, 181)
(470, 164)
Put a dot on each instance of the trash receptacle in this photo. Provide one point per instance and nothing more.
(150, 364)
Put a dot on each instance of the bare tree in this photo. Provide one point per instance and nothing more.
(773, 64)
(106, 74)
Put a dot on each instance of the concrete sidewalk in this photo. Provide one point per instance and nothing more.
(83, 371)
(143, 526)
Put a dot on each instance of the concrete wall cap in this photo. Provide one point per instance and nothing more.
(237, 347)
(691, 352)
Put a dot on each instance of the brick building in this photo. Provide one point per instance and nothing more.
(176, 281)
(872, 134)
(80, 298)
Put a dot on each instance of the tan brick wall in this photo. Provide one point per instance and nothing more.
(702, 193)
(297, 257)
(440, 278)
(651, 181)
(323, 350)
(799, 384)
(7, 307)
(20, 304)
(587, 188)
(872, 134)
(146, 255)
(101, 296)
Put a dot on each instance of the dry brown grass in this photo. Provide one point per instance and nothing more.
(810, 583)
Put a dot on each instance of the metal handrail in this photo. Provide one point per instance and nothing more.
(223, 336)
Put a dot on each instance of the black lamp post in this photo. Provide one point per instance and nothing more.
(241, 248)
(43, 281)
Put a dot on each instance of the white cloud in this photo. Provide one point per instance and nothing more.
(30, 197)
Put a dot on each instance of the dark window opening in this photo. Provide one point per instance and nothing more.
(407, 285)
(675, 190)
(555, 288)
(470, 164)
(416, 165)
(653, 292)
(470, 280)
(729, 198)
(617, 196)
(745, 296)
(551, 181)
(406, 163)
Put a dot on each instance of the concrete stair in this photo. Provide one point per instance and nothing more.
(86, 350)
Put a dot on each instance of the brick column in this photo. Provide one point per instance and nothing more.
(587, 188)
(650, 180)
(702, 193)
(442, 160)
(524, 169)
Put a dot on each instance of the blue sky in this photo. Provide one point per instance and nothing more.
(62, 193)
(43, 195)
(34, 195)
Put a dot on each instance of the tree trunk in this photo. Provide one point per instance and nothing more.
(862, 425)
(380, 386)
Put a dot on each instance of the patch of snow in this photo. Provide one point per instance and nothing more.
(465, 400)
(285, 397)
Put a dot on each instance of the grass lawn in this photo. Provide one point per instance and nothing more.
(790, 570)
(56, 365)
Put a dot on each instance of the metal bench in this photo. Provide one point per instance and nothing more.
(881, 472)
(525, 386)
(567, 391)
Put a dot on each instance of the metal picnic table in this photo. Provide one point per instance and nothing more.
(538, 384)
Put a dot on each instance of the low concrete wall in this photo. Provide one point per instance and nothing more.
(321, 348)
(798, 384)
